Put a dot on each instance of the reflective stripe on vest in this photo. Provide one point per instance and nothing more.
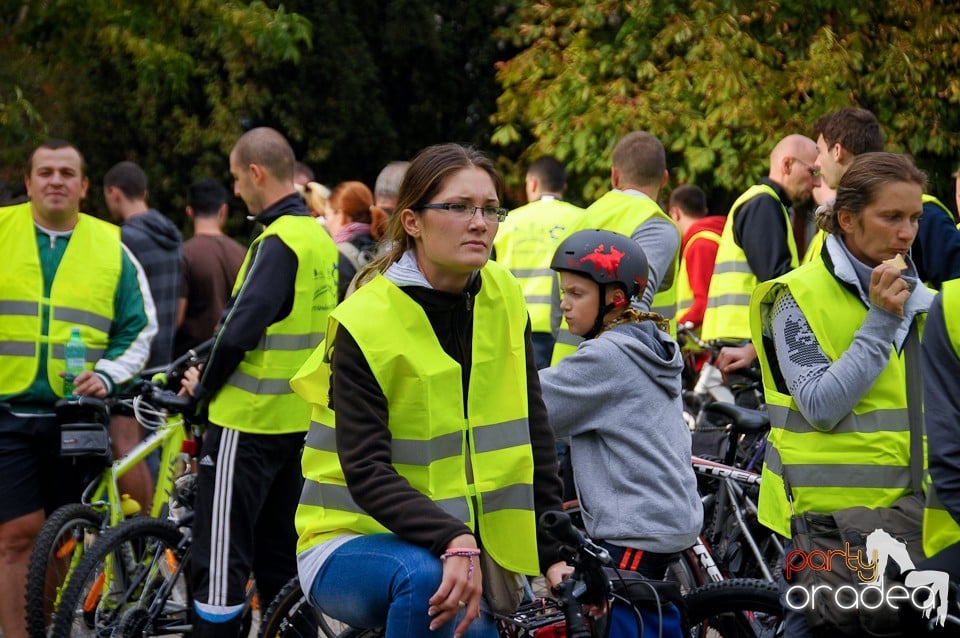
(623, 213)
(865, 458)
(684, 291)
(728, 305)
(940, 529)
(525, 244)
(430, 438)
(29, 323)
(257, 397)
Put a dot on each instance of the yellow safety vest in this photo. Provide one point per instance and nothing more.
(432, 441)
(684, 291)
(257, 396)
(728, 306)
(940, 530)
(525, 244)
(82, 294)
(622, 213)
(816, 246)
(865, 459)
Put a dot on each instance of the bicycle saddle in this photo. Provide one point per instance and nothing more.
(743, 420)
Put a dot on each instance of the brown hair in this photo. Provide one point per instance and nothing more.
(690, 199)
(856, 129)
(424, 178)
(640, 158)
(355, 201)
(860, 185)
(56, 145)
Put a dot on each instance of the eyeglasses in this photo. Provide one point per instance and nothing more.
(813, 170)
(467, 211)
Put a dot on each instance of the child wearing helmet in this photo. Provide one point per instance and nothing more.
(617, 399)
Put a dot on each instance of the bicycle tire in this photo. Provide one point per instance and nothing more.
(145, 553)
(66, 534)
(290, 615)
(736, 608)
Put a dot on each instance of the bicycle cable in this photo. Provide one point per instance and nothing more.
(149, 416)
(636, 612)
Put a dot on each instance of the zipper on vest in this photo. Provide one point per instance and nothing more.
(469, 301)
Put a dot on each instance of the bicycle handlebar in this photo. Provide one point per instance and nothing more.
(194, 354)
(167, 399)
(589, 583)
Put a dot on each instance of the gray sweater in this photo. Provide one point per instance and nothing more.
(617, 399)
(826, 391)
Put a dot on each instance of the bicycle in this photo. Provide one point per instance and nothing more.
(738, 545)
(703, 383)
(72, 529)
(134, 581)
(723, 549)
(743, 604)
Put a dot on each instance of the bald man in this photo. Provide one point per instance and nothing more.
(248, 481)
(757, 243)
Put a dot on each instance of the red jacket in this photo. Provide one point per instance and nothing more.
(699, 264)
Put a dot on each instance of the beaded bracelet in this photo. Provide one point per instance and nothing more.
(465, 552)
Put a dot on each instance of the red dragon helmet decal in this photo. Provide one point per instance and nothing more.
(605, 257)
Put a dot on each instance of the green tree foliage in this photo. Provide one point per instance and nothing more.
(164, 84)
(385, 79)
(720, 81)
(353, 84)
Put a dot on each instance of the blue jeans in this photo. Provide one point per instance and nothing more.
(542, 349)
(382, 581)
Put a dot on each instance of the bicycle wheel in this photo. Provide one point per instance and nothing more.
(685, 571)
(133, 582)
(290, 615)
(736, 608)
(64, 538)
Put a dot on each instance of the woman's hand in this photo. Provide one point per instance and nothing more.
(460, 589)
(888, 290)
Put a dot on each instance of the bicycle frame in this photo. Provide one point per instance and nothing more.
(104, 492)
(730, 496)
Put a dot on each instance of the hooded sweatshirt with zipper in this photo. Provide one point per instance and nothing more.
(156, 243)
(618, 400)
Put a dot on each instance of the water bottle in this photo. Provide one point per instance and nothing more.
(75, 357)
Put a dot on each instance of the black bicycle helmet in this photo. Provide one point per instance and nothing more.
(605, 257)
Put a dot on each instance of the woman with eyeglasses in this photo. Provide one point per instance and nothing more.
(430, 457)
(835, 338)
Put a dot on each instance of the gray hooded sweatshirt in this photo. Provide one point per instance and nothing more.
(156, 241)
(617, 399)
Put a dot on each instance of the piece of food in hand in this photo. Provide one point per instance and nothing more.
(897, 262)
